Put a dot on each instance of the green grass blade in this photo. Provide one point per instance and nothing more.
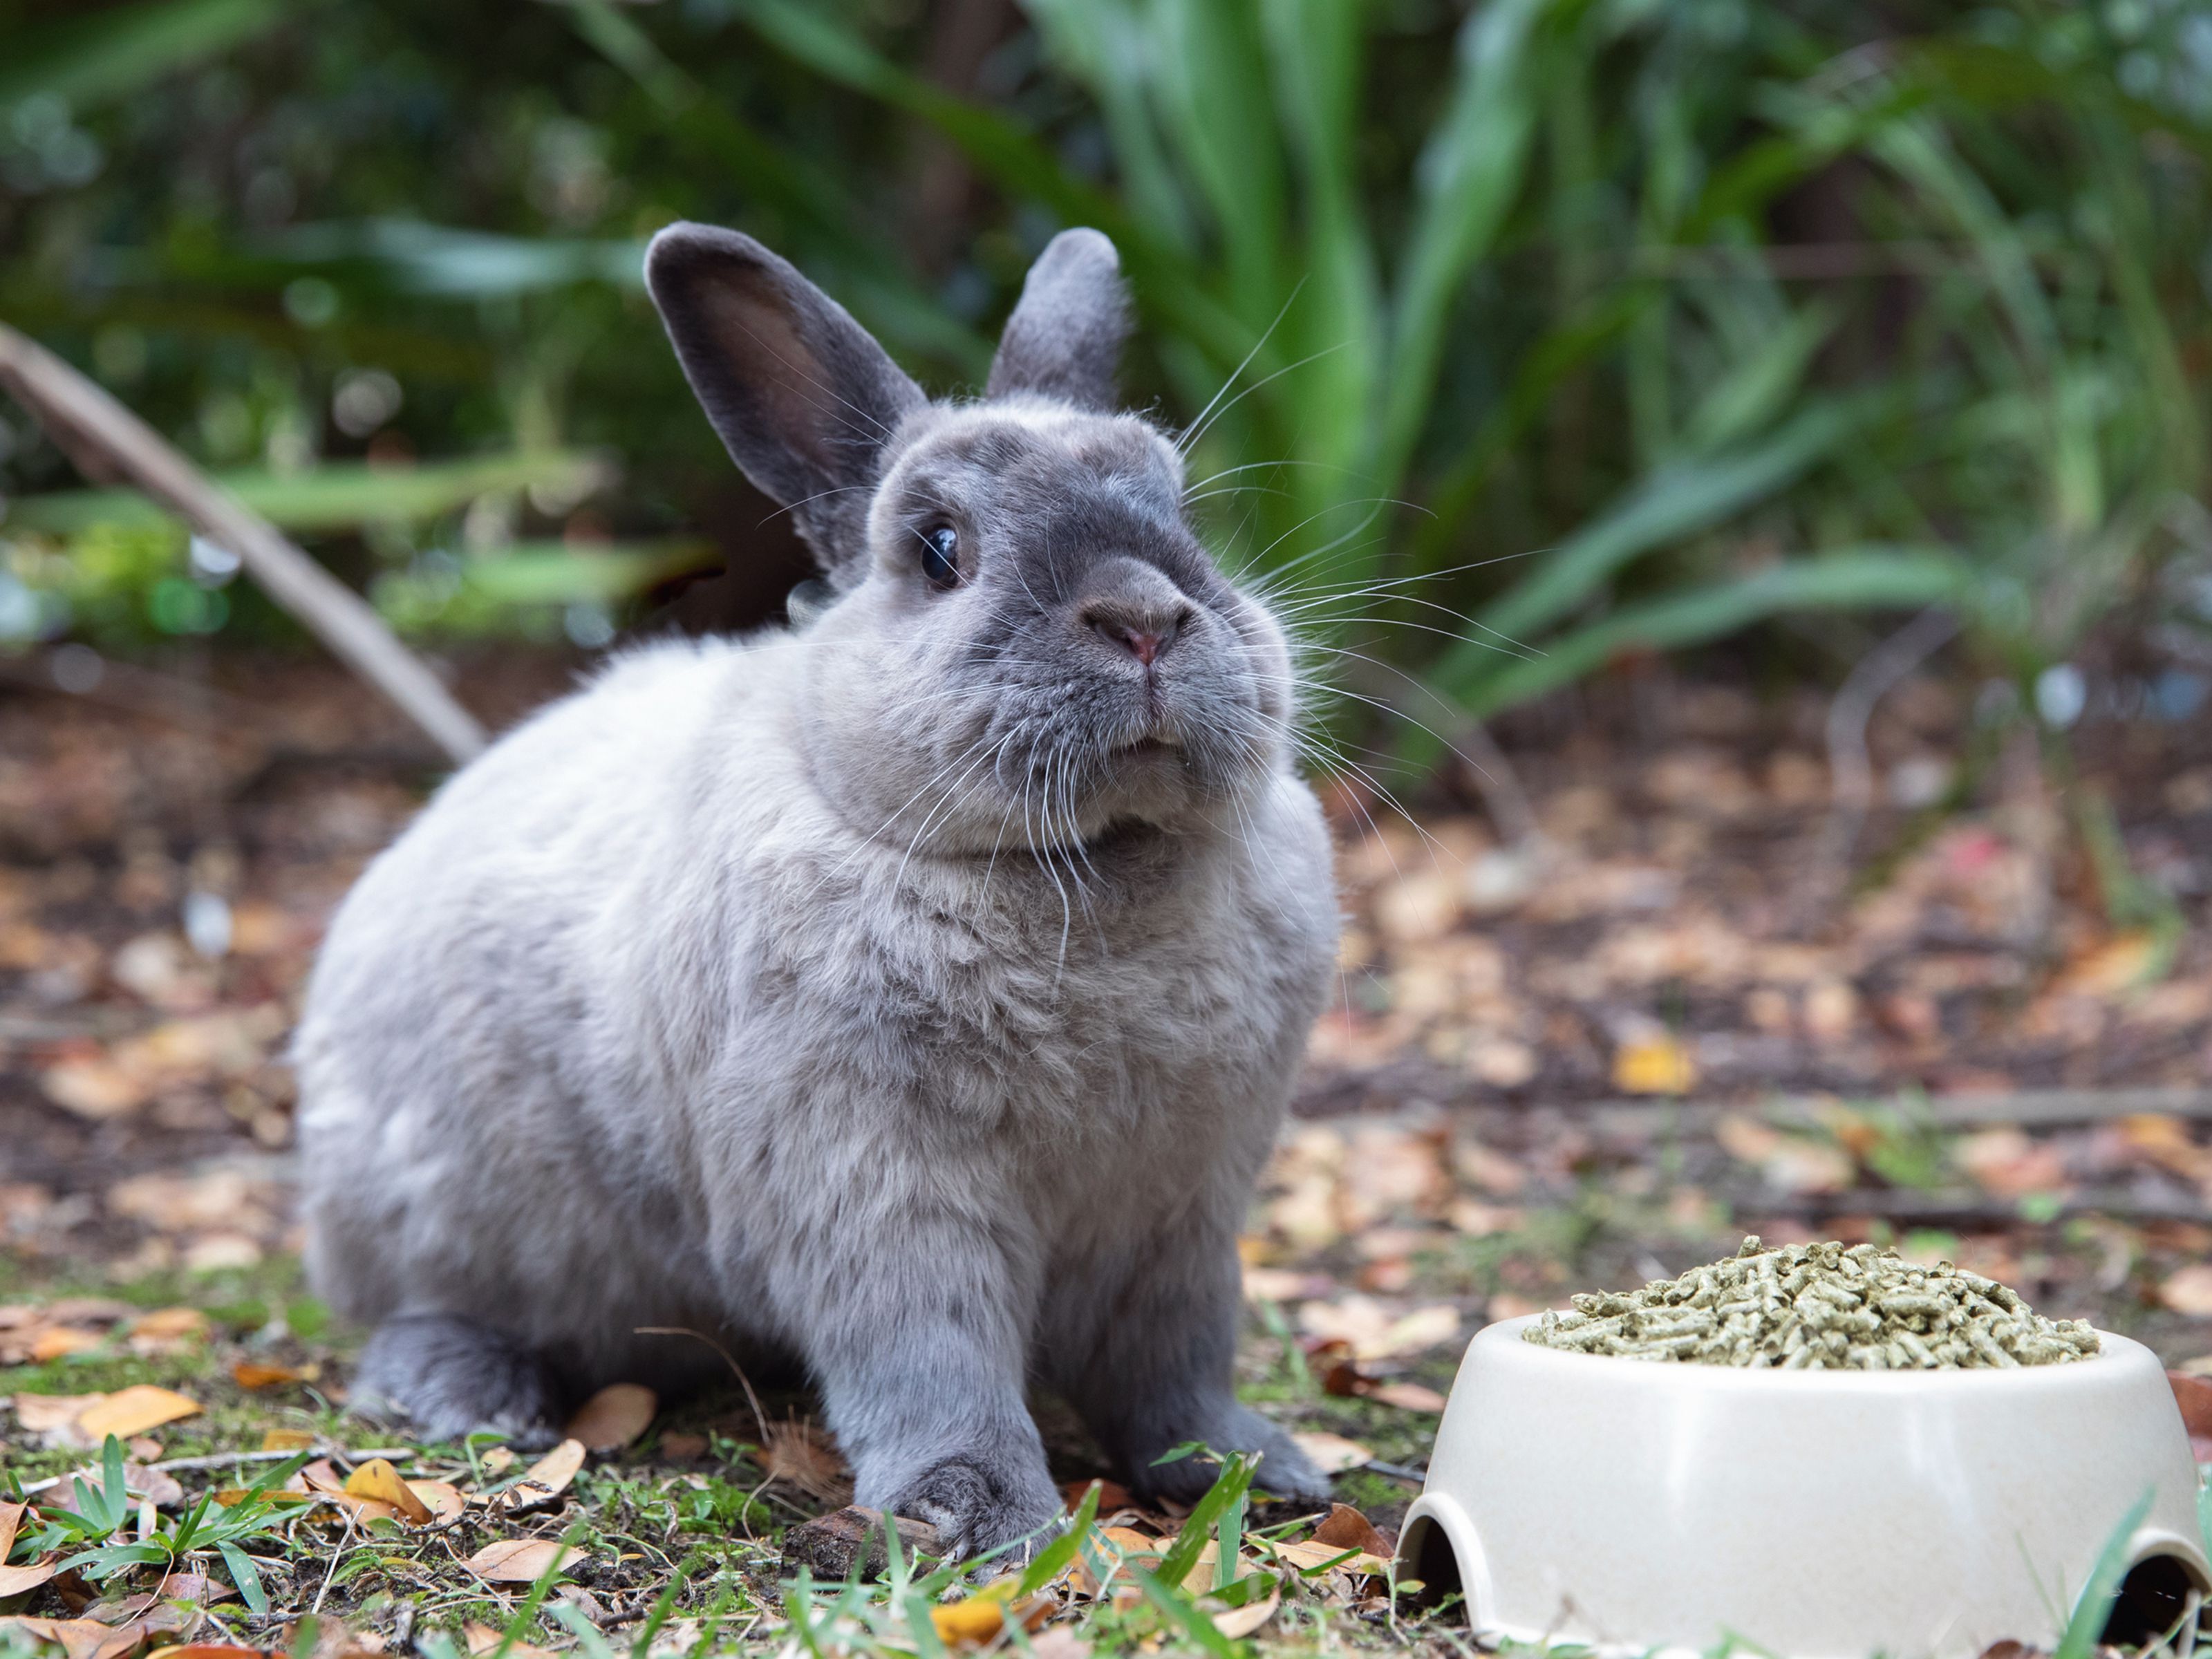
(2086, 1623)
(1053, 1559)
(1471, 170)
(1858, 579)
(1228, 1488)
(245, 1578)
(1187, 1615)
(1674, 502)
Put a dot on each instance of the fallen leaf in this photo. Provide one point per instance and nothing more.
(2119, 964)
(217, 1650)
(976, 1619)
(168, 1323)
(679, 1446)
(796, 1454)
(13, 1581)
(2193, 1394)
(1238, 1622)
(549, 1477)
(53, 1414)
(287, 1440)
(58, 1339)
(2187, 1290)
(482, 1639)
(1331, 1454)
(1405, 1397)
(1113, 1496)
(192, 1587)
(1655, 1065)
(95, 1089)
(251, 1375)
(135, 1410)
(379, 1482)
(446, 1501)
(1346, 1529)
(519, 1560)
(1060, 1641)
(614, 1417)
(78, 1638)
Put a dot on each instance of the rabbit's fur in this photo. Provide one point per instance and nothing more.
(916, 995)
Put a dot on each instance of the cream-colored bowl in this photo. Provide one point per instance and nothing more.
(1814, 1515)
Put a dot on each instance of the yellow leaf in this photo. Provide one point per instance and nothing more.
(976, 1619)
(379, 1482)
(444, 1499)
(250, 1375)
(614, 1417)
(519, 1560)
(170, 1323)
(287, 1440)
(1656, 1065)
(61, 1339)
(135, 1410)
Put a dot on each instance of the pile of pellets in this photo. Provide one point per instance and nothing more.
(1819, 1307)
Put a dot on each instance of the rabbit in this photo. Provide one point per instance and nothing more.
(914, 992)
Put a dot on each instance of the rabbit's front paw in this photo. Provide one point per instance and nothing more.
(978, 1503)
(1285, 1471)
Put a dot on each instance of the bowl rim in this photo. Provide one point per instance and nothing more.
(1503, 1336)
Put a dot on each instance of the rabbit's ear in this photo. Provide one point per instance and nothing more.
(802, 396)
(1065, 336)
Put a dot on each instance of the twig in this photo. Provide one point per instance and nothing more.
(104, 439)
(1850, 768)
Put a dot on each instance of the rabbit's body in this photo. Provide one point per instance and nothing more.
(714, 997)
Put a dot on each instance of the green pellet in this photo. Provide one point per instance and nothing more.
(1819, 1307)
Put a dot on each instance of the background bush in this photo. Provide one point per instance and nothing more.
(1511, 342)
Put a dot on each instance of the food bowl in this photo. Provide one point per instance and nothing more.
(1814, 1515)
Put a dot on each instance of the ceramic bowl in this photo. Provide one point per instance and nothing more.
(1814, 1515)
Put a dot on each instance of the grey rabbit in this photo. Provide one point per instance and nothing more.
(914, 992)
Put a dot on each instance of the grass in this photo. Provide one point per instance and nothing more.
(681, 1534)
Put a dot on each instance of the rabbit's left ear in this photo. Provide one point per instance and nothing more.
(1065, 338)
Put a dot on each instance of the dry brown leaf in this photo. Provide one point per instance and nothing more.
(1405, 1397)
(287, 1440)
(1346, 1529)
(549, 1477)
(78, 1638)
(135, 1410)
(95, 1089)
(519, 1560)
(482, 1639)
(799, 1455)
(52, 1414)
(1238, 1622)
(446, 1500)
(614, 1417)
(379, 1482)
(2187, 1290)
(13, 1581)
(1331, 1454)
(12, 1517)
(217, 1650)
(677, 1447)
(165, 1323)
(2193, 1394)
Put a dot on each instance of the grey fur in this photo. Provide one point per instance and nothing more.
(1065, 338)
(917, 995)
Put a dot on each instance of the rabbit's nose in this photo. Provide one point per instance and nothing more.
(1137, 609)
(1142, 632)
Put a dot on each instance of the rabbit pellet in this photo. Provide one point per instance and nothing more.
(1818, 1306)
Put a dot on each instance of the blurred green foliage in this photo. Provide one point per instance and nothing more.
(1511, 342)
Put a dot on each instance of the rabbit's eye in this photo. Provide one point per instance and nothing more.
(940, 549)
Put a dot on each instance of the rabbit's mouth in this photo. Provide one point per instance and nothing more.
(1137, 748)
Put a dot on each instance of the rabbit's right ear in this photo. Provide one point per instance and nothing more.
(802, 396)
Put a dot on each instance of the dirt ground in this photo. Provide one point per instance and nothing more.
(1679, 1002)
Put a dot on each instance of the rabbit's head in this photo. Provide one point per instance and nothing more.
(1028, 644)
